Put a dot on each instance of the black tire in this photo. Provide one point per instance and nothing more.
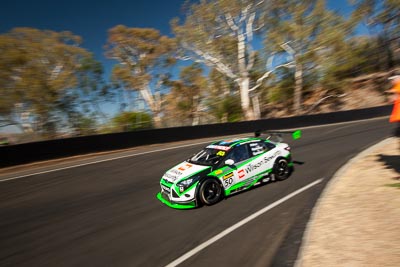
(282, 170)
(210, 192)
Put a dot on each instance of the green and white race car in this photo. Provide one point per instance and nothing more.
(226, 167)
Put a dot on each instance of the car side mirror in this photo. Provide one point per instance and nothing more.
(229, 162)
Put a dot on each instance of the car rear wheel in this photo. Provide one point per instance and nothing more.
(282, 169)
(210, 192)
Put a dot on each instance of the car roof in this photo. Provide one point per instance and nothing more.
(235, 141)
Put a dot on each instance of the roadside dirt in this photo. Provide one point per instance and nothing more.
(357, 220)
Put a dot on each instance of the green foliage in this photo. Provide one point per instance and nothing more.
(222, 102)
(47, 74)
(131, 121)
(311, 34)
(139, 51)
(143, 55)
(85, 125)
(281, 87)
(382, 18)
(220, 34)
(204, 30)
(360, 55)
(92, 88)
(395, 185)
(226, 109)
(279, 93)
(378, 13)
(186, 95)
(40, 71)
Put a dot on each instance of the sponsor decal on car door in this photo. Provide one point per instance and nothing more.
(248, 172)
(256, 168)
(233, 176)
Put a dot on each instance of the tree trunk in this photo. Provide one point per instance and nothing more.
(245, 99)
(298, 76)
(157, 120)
(244, 81)
(256, 107)
(196, 111)
(154, 107)
(196, 120)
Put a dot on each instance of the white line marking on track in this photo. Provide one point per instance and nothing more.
(164, 149)
(99, 161)
(227, 231)
(336, 123)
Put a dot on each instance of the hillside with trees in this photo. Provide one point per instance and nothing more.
(237, 60)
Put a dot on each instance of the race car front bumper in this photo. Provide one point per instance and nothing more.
(169, 196)
(165, 199)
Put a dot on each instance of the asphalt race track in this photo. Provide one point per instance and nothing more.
(107, 214)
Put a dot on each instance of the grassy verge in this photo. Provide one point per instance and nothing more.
(396, 185)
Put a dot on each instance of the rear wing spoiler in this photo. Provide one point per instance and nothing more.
(278, 134)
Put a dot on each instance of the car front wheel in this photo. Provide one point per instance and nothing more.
(210, 192)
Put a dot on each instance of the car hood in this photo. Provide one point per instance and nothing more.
(182, 171)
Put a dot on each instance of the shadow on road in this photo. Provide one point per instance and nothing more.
(391, 162)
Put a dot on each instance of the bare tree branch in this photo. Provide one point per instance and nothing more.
(249, 27)
(249, 33)
(290, 64)
(321, 100)
(245, 12)
(230, 22)
(266, 74)
(211, 61)
(288, 48)
(148, 97)
(56, 71)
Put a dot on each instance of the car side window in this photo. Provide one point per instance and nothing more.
(269, 145)
(260, 147)
(239, 153)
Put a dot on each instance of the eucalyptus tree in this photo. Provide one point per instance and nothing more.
(187, 94)
(384, 13)
(222, 100)
(310, 34)
(38, 69)
(222, 35)
(383, 20)
(142, 55)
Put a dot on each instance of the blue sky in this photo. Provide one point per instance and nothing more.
(89, 19)
(92, 19)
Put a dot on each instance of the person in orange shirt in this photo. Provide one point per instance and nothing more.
(395, 116)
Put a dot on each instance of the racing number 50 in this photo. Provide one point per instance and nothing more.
(228, 182)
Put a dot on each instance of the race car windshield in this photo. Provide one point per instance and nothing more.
(208, 157)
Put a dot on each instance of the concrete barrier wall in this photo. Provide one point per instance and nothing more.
(52, 149)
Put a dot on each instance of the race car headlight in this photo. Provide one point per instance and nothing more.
(185, 184)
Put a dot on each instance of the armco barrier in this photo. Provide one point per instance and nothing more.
(52, 149)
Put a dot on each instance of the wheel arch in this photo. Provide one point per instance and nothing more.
(275, 165)
(202, 180)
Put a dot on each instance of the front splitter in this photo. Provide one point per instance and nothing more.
(190, 205)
